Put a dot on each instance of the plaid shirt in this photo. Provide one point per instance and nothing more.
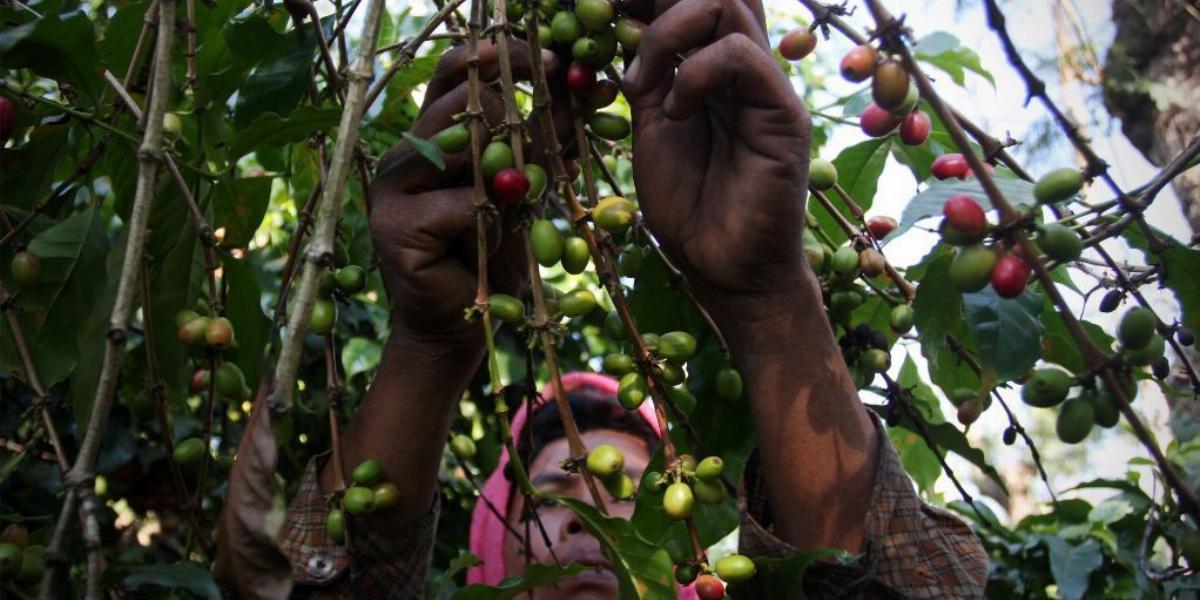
(911, 549)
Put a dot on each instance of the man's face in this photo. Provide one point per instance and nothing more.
(569, 541)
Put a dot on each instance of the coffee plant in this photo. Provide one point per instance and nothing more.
(193, 308)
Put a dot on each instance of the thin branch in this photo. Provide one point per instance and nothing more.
(855, 233)
(409, 49)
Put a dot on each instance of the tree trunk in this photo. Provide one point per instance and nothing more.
(1152, 83)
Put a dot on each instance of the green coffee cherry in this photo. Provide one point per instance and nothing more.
(453, 139)
(901, 318)
(1058, 185)
(1136, 329)
(971, 268)
(594, 14)
(677, 346)
(351, 279)
(614, 214)
(359, 500)
(547, 242)
(729, 384)
(189, 452)
(577, 303)
(621, 486)
(230, 380)
(1059, 242)
(618, 364)
(822, 175)
(708, 492)
(368, 473)
(506, 308)
(678, 501)
(631, 391)
(1046, 387)
(845, 261)
(609, 126)
(1146, 355)
(710, 468)
(536, 175)
(335, 525)
(605, 460)
(462, 447)
(629, 33)
(1075, 420)
(575, 255)
(735, 568)
(324, 314)
(565, 28)
(496, 157)
(387, 495)
(670, 373)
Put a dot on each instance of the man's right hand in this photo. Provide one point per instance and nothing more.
(423, 219)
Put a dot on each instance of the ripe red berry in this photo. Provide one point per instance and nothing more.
(859, 63)
(950, 165)
(797, 44)
(580, 77)
(986, 167)
(709, 588)
(510, 185)
(877, 122)
(1009, 276)
(966, 215)
(915, 128)
(8, 119)
(880, 226)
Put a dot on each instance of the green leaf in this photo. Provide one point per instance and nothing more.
(1059, 346)
(278, 84)
(398, 107)
(272, 130)
(1181, 271)
(858, 167)
(57, 46)
(929, 202)
(116, 48)
(427, 149)
(535, 575)
(243, 308)
(643, 569)
(178, 576)
(918, 459)
(921, 396)
(442, 586)
(92, 335)
(782, 578)
(944, 51)
(27, 171)
(360, 355)
(1007, 332)
(1072, 565)
(937, 313)
(239, 206)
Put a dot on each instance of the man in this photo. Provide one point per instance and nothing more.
(722, 149)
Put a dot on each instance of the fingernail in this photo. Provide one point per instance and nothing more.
(631, 74)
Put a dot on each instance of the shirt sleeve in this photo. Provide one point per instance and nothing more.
(384, 563)
(910, 549)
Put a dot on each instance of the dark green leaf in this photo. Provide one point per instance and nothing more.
(929, 202)
(1007, 332)
(239, 206)
(57, 46)
(1181, 271)
(27, 171)
(782, 578)
(1059, 346)
(938, 312)
(427, 149)
(179, 576)
(278, 84)
(1072, 565)
(272, 130)
(243, 308)
(535, 575)
(944, 51)
(121, 36)
(643, 569)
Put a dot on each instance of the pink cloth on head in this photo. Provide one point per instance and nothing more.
(487, 530)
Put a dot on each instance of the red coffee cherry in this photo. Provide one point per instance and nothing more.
(859, 63)
(877, 122)
(950, 165)
(510, 185)
(797, 44)
(1009, 276)
(709, 588)
(915, 128)
(580, 77)
(881, 226)
(965, 215)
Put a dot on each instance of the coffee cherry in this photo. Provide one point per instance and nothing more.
(954, 237)
(845, 301)
(1104, 408)
(1160, 368)
(875, 360)
(708, 492)
(631, 261)
(230, 380)
(889, 85)
(185, 316)
(565, 28)
(651, 341)
(632, 390)
(676, 345)
(218, 333)
(299, 9)
(8, 119)
(965, 214)
(1136, 328)
(387, 495)
(506, 308)
(678, 501)
(1009, 276)
(618, 364)
(351, 279)
(10, 554)
(629, 33)
(368, 473)
(877, 122)
(901, 318)
(822, 175)
(1058, 185)
(880, 226)
(462, 447)
(15, 534)
(609, 126)
(577, 303)
(605, 460)
(192, 333)
(33, 560)
(172, 126)
(580, 77)
(915, 128)
(1185, 337)
(735, 568)
(710, 468)
(453, 139)
(845, 261)
(1149, 354)
(910, 103)
(1059, 242)
(496, 157)
(614, 214)
(1111, 300)
(510, 185)
(797, 44)
(335, 525)
(601, 94)
(688, 463)
(26, 267)
(669, 373)
(685, 573)
(969, 412)
(859, 63)
(613, 326)
(594, 14)
(729, 384)
(709, 587)
(575, 255)
(971, 269)
(358, 500)
(585, 49)
(324, 314)
(871, 262)
(547, 242)
(1075, 420)
(1010, 436)
(189, 452)
(537, 180)
(1047, 387)
(620, 486)
(950, 165)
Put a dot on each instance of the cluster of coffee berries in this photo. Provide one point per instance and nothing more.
(709, 580)
(865, 351)
(367, 494)
(26, 267)
(339, 283)
(20, 561)
(687, 482)
(607, 463)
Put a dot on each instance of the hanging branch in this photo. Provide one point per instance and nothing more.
(854, 233)
(319, 254)
(1093, 355)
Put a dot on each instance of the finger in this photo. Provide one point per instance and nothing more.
(734, 65)
(755, 7)
(683, 27)
(454, 65)
(403, 169)
(508, 268)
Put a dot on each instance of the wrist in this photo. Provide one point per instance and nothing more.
(465, 345)
(767, 321)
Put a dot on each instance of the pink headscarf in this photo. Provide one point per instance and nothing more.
(487, 529)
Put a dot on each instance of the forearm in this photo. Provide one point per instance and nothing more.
(405, 419)
(815, 439)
